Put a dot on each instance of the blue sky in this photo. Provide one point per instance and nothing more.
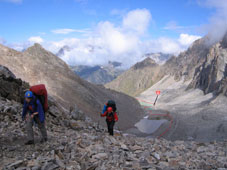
(55, 23)
(26, 18)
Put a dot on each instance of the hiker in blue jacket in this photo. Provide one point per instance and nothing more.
(33, 112)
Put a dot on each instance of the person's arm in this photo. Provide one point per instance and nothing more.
(104, 109)
(33, 114)
(115, 117)
(104, 114)
(39, 112)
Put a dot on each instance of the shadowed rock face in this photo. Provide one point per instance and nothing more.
(202, 63)
(10, 87)
(6, 72)
(211, 75)
(36, 65)
(186, 63)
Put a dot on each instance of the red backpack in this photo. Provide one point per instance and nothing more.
(41, 93)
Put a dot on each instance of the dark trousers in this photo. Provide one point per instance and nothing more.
(41, 126)
(110, 126)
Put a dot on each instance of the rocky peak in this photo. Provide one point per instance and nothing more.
(159, 58)
(210, 76)
(114, 64)
(224, 41)
(62, 50)
(148, 62)
(36, 48)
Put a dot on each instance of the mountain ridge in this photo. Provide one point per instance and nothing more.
(188, 65)
(36, 65)
(99, 74)
(138, 78)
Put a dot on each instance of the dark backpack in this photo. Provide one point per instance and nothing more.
(42, 101)
(112, 104)
(40, 93)
(111, 115)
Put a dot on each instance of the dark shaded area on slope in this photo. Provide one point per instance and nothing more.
(211, 75)
(10, 87)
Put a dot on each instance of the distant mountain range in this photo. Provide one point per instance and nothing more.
(99, 74)
(159, 58)
(138, 78)
(103, 74)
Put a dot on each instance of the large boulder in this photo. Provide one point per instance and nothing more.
(77, 114)
(10, 87)
(5, 71)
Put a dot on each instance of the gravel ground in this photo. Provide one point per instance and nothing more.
(196, 116)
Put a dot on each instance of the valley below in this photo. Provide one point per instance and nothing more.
(195, 116)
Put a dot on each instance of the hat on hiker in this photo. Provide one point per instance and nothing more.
(28, 94)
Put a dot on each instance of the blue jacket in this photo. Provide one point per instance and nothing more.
(31, 108)
(104, 109)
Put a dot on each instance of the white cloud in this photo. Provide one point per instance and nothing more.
(36, 39)
(186, 39)
(107, 41)
(110, 42)
(68, 31)
(167, 45)
(24, 45)
(217, 27)
(123, 43)
(20, 46)
(116, 40)
(170, 45)
(137, 20)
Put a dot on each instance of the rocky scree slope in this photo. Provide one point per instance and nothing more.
(36, 65)
(75, 142)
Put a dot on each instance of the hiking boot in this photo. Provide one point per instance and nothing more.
(43, 140)
(30, 142)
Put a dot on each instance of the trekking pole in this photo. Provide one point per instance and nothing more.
(155, 100)
(158, 93)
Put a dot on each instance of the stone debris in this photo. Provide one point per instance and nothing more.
(76, 142)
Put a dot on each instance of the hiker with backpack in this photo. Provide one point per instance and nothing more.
(34, 112)
(109, 111)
